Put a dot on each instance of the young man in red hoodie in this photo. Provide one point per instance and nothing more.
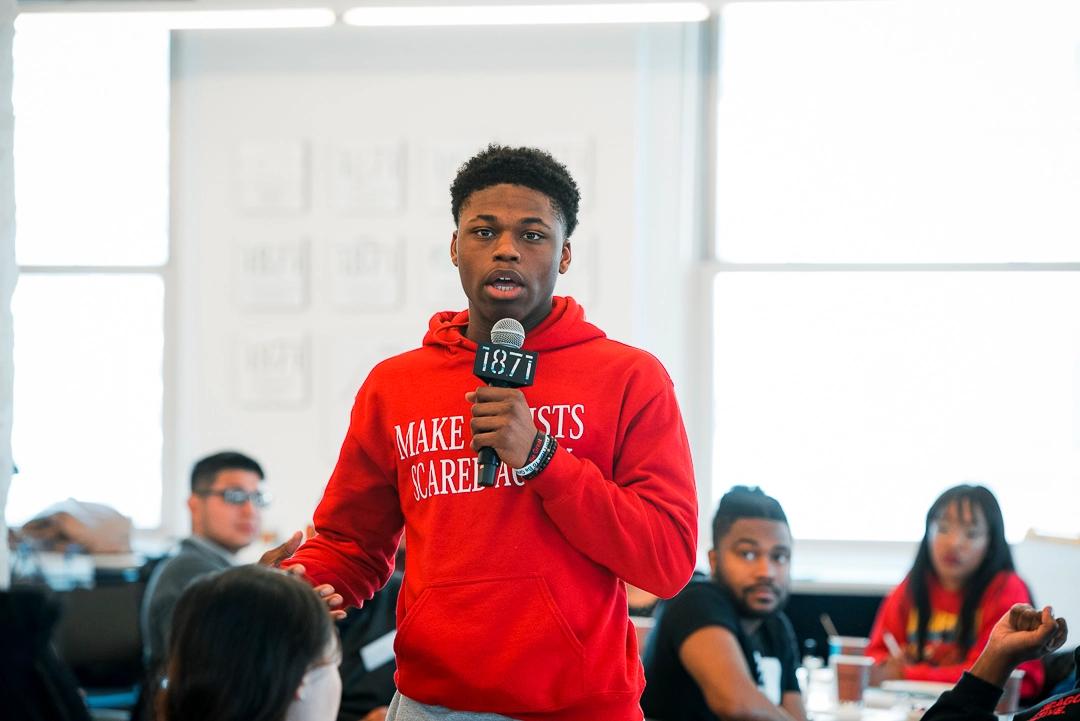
(513, 602)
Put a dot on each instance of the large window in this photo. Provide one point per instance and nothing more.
(898, 272)
(91, 193)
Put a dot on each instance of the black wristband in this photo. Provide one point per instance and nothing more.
(537, 446)
(541, 462)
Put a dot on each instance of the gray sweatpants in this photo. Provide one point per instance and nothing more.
(403, 708)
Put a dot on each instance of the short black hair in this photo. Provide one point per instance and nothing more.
(744, 502)
(205, 470)
(529, 167)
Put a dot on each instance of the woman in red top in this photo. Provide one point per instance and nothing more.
(962, 581)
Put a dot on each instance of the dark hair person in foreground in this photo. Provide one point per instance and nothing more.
(251, 644)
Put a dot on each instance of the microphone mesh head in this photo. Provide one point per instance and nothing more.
(508, 332)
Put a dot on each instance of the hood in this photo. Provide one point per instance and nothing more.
(565, 326)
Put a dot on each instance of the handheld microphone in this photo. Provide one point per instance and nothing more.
(502, 364)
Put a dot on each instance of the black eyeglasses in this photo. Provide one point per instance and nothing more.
(238, 497)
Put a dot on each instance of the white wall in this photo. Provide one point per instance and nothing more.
(292, 104)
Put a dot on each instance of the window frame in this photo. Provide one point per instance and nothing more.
(866, 570)
(164, 271)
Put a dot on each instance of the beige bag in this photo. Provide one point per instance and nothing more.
(95, 527)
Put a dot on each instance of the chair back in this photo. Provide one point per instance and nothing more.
(98, 635)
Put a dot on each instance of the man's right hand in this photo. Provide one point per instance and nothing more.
(1022, 634)
(501, 419)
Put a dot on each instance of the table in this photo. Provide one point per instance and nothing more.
(877, 705)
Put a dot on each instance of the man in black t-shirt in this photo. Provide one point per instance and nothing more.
(722, 648)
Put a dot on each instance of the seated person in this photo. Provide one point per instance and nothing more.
(367, 651)
(962, 580)
(1022, 634)
(723, 648)
(225, 503)
(35, 685)
(251, 644)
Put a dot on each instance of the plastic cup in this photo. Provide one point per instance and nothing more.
(852, 677)
(848, 645)
(1010, 699)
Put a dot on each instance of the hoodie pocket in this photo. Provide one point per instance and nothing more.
(497, 644)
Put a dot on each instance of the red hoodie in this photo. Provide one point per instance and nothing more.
(513, 600)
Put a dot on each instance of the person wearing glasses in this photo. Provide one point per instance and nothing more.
(226, 503)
